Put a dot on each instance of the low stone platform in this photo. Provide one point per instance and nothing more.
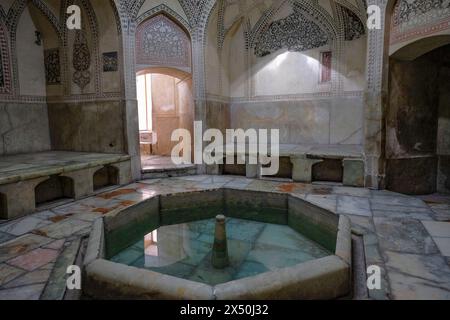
(304, 157)
(27, 180)
(154, 167)
(407, 237)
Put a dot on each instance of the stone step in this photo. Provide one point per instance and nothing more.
(169, 172)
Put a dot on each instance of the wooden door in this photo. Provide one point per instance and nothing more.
(165, 113)
(173, 108)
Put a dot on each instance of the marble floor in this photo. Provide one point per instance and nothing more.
(407, 237)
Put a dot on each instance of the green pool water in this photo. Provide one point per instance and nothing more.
(184, 250)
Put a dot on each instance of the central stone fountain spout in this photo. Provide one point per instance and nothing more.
(220, 249)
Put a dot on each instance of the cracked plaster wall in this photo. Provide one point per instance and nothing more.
(23, 128)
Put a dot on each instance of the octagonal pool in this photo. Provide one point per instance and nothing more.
(271, 246)
(184, 250)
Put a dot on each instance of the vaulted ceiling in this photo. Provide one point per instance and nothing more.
(297, 25)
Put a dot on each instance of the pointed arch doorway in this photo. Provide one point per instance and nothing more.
(164, 88)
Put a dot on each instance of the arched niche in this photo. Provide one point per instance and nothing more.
(29, 52)
(105, 177)
(3, 206)
(109, 44)
(329, 170)
(32, 33)
(53, 189)
(50, 43)
(285, 168)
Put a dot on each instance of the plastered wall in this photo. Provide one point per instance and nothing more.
(283, 90)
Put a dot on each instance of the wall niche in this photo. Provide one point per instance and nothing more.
(106, 177)
(54, 189)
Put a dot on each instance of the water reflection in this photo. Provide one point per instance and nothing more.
(184, 250)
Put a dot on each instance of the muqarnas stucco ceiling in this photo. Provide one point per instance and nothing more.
(408, 10)
(193, 8)
(353, 26)
(161, 42)
(295, 33)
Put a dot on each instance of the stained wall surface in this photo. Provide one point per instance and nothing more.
(417, 123)
(61, 89)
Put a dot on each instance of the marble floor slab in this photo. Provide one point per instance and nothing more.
(408, 237)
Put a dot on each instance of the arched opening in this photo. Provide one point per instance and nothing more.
(328, 170)
(3, 206)
(105, 177)
(165, 104)
(284, 170)
(56, 188)
(406, 23)
(234, 169)
(164, 89)
(418, 48)
(418, 119)
(415, 111)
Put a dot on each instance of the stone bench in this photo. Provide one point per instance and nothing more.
(28, 180)
(303, 158)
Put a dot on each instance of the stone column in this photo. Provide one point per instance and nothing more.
(198, 76)
(253, 171)
(130, 106)
(302, 168)
(253, 167)
(353, 172)
(199, 21)
(83, 182)
(124, 172)
(219, 257)
(374, 131)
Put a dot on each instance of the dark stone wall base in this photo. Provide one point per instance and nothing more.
(412, 176)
